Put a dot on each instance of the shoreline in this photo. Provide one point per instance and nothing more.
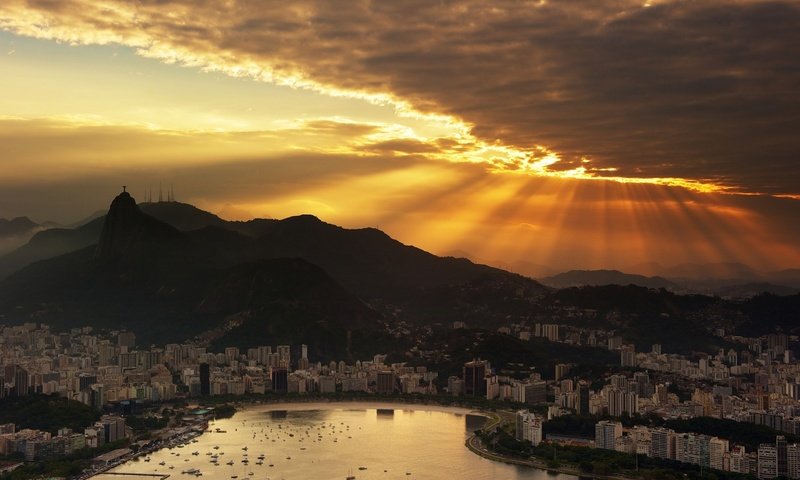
(473, 443)
(361, 405)
(534, 462)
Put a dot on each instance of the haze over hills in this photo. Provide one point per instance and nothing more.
(576, 278)
(166, 283)
(16, 231)
(170, 271)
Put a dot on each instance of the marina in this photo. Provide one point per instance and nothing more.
(330, 441)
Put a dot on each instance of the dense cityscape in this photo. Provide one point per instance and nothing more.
(756, 384)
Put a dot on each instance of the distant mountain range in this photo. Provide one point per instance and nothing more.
(577, 278)
(15, 232)
(170, 271)
(16, 226)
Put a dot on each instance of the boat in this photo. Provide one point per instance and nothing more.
(244, 448)
(230, 463)
(362, 468)
(191, 471)
(350, 475)
(162, 463)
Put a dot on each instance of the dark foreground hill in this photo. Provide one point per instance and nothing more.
(169, 285)
(242, 283)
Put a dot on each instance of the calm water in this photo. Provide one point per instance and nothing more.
(329, 441)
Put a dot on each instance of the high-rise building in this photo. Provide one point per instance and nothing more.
(627, 357)
(284, 356)
(662, 443)
(606, 433)
(475, 378)
(717, 448)
(780, 445)
(550, 331)
(303, 363)
(231, 354)
(562, 370)
(280, 380)
(528, 427)
(205, 379)
(126, 339)
(793, 461)
(582, 406)
(536, 392)
(767, 461)
(386, 382)
(21, 381)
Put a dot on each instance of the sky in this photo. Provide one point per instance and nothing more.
(581, 134)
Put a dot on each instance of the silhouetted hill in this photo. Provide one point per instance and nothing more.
(720, 270)
(16, 226)
(767, 313)
(129, 235)
(58, 241)
(645, 316)
(290, 300)
(168, 285)
(790, 277)
(182, 215)
(748, 290)
(577, 278)
(369, 262)
(50, 243)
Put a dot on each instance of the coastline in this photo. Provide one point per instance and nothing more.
(362, 405)
(473, 443)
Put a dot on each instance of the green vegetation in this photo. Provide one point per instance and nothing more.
(600, 461)
(740, 433)
(142, 424)
(46, 412)
(224, 411)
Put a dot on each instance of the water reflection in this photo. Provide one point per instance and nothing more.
(326, 442)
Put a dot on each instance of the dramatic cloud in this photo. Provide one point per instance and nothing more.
(705, 91)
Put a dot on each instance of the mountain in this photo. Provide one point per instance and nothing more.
(171, 271)
(50, 243)
(522, 267)
(182, 216)
(16, 226)
(577, 278)
(719, 270)
(790, 277)
(168, 285)
(58, 241)
(16, 232)
(748, 290)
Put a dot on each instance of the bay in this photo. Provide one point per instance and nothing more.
(332, 441)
